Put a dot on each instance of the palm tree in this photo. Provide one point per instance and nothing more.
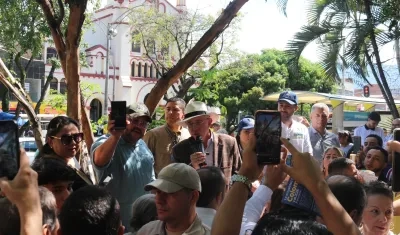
(349, 32)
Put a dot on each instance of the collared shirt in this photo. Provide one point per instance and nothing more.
(363, 132)
(158, 228)
(298, 136)
(320, 143)
(386, 140)
(254, 209)
(206, 215)
(160, 141)
(130, 168)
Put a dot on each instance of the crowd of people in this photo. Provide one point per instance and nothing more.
(189, 177)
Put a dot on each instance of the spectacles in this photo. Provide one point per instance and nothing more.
(195, 124)
(67, 139)
(139, 123)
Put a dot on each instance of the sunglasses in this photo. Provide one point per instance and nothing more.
(67, 139)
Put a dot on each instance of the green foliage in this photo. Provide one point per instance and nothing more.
(59, 101)
(156, 123)
(103, 120)
(240, 85)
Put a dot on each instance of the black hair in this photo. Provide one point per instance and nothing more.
(382, 150)
(377, 137)
(212, 184)
(181, 102)
(338, 165)
(90, 210)
(349, 192)
(375, 116)
(346, 133)
(378, 188)
(275, 224)
(144, 210)
(10, 219)
(276, 197)
(53, 128)
(52, 170)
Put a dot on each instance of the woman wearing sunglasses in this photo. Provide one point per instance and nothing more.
(63, 141)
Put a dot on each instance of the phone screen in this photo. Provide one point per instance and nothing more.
(356, 144)
(396, 164)
(118, 113)
(9, 149)
(268, 131)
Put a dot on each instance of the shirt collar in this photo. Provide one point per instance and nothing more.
(316, 132)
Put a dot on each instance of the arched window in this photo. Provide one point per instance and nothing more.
(145, 70)
(139, 69)
(63, 86)
(133, 69)
(54, 84)
(151, 70)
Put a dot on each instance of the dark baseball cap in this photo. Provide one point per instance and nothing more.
(245, 124)
(138, 110)
(375, 116)
(289, 97)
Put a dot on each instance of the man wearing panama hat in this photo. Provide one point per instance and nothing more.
(205, 147)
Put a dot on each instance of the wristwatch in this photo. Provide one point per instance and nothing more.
(241, 179)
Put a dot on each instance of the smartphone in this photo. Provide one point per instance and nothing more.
(356, 144)
(396, 164)
(268, 133)
(118, 113)
(9, 149)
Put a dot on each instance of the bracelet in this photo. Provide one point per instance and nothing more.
(241, 179)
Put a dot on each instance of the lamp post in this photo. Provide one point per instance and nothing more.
(111, 32)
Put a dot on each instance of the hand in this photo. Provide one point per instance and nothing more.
(111, 125)
(305, 122)
(196, 159)
(250, 167)
(23, 190)
(360, 158)
(274, 175)
(305, 169)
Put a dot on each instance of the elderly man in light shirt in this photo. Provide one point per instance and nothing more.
(320, 138)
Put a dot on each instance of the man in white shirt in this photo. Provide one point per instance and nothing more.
(371, 127)
(294, 131)
(212, 193)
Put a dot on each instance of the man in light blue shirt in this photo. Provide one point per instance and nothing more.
(320, 138)
(122, 159)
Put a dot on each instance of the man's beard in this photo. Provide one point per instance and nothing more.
(130, 136)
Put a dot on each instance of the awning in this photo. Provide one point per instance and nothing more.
(306, 97)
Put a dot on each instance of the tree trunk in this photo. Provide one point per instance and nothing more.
(397, 50)
(44, 89)
(5, 98)
(22, 77)
(9, 81)
(86, 126)
(390, 100)
(68, 53)
(185, 86)
(193, 54)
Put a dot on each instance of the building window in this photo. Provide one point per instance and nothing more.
(145, 70)
(151, 46)
(63, 86)
(135, 42)
(51, 53)
(139, 69)
(133, 69)
(54, 84)
(151, 70)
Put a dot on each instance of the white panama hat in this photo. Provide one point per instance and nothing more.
(197, 109)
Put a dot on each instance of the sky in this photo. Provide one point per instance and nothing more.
(264, 26)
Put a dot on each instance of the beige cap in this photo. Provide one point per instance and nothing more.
(174, 177)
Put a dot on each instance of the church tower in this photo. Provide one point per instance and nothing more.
(181, 5)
